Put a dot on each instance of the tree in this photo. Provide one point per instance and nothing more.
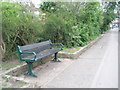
(118, 13)
(108, 15)
(48, 6)
(19, 27)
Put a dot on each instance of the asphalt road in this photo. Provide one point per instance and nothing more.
(96, 68)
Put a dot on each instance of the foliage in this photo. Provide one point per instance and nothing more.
(48, 6)
(108, 15)
(89, 21)
(19, 27)
(74, 27)
(72, 23)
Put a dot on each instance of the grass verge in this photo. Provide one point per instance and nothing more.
(71, 50)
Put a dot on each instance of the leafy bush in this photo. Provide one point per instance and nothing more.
(56, 30)
(48, 6)
(108, 15)
(71, 28)
(19, 27)
(73, 24)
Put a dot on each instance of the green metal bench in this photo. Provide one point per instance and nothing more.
(34, 52)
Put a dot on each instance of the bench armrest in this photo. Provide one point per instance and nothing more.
(58, 44)
(27, 52)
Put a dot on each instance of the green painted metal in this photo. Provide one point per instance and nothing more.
(26, 52)
(30, 73)
(58, 44)
(19, 53)
(28, 61)
(56, 58)
(34, 59)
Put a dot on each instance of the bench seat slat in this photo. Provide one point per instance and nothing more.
(39, 49)
(46, 53)
(35, 45)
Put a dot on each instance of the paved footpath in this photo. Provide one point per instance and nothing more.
(95, 68)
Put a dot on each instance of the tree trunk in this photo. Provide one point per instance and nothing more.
(3, 48)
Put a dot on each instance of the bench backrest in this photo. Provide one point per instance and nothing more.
(37, 47)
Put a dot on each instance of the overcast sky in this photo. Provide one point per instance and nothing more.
(36, 2)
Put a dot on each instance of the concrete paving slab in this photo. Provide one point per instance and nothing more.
(47, 72)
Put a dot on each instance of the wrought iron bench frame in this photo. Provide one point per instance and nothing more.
(45, 48)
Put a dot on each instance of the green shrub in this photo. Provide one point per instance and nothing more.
(73, 24)
(55, 29)
(19, 27)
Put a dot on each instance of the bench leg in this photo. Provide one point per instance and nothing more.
(30, 73)
(56, 58)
